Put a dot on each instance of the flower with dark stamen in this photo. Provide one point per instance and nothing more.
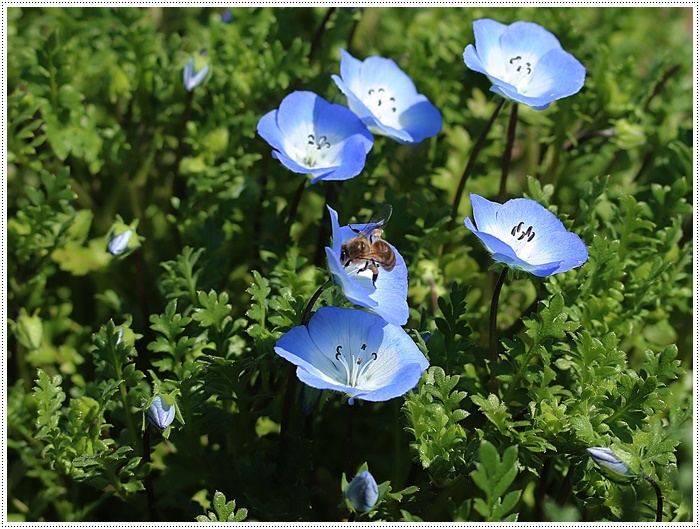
(523, 234)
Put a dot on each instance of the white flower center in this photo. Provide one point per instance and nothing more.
(522, 237)
(314, 150)
(382, 103)
(353, 368)
(519, 72)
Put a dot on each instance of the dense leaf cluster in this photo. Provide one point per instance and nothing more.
(101, 130)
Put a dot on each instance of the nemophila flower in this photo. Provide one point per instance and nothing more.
(524, 61)
(525, 235)
(605, 458)
(386, 99)
(362, 492)
(193, 78)
(384, 293)
(160, 414)
(312, 136)
(354, 352)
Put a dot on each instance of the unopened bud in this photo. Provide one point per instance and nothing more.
(160, 413)
(362, 492)
(605, 458)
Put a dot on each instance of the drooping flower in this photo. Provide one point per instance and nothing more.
(525, 235)
(524, 61)
(192, 78)
(312, 136)
(160, 413)
(354, 352)
(362, 492)
(387, 292)
(386, 99)
(605, 458)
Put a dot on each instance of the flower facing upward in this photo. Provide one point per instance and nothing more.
(362, 492)
(160, 413)
(525, 62)
(605, 458)
(386, 99)
(386, 295)
(192, 78)
(312, 136)
(525, 235)
(354, 352)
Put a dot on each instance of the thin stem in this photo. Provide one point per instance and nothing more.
(291, 377)
(310, 305)
(509, 151)
(178, 185)
(493, 329)
(319, 32)
(294, 204)
(142, 292)
(659, 497)
(148, 481)
(348, 443)
(472, 160)
(324, 231)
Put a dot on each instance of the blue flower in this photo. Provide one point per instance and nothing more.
(354, 352)
(386, 99)
(160, 413)
(362, 492)
(192, 78)
(524, 61)
(605, 458)
(386, 295)
(312, 136)
(525, 235)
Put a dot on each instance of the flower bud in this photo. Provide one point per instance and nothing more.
(160, 413)
(193, 77)
(606, 459)
(362, 492)
(118, 243)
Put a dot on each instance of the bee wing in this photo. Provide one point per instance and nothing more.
(379, 219)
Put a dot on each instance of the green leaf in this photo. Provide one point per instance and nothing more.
(224, 511)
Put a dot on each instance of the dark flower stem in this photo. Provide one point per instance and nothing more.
(348, 446)
(291, 376)
(659, 497)
(148, 481)
(472, 160)
(294, 204)
(178, 185)
(509, 151)
(493, 329)
(319, 32)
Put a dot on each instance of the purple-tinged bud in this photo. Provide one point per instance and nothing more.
(160, 413)
(362, 492)
(119, 243)
(605, 458)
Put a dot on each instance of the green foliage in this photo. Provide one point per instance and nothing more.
(597, 356)
(494, 476)
(225, 511)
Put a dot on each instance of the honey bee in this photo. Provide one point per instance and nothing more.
(369, 247)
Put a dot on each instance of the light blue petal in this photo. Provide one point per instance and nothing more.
(485, 213)
(270, 131)
(486, 57)
(391, 292)
(350, 69)
(388, 297)
(527, 39)
(296, 116)
(558, 74)
(380, 71)
(605, 457)
(421, 120)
